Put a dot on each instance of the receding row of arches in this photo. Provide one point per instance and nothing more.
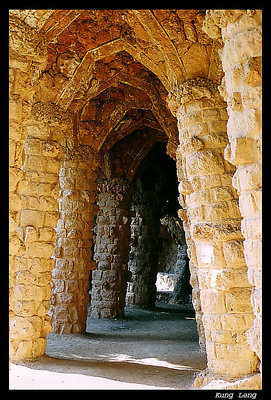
(125, 161)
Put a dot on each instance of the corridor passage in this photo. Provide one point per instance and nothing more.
(148, 349)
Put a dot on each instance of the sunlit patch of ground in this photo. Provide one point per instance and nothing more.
(148, 349)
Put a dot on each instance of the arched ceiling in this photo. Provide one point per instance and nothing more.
(113, 69)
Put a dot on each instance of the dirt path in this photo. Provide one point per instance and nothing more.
(149, 349)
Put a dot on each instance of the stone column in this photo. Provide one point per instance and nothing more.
(241, 56)
(111, 249)
(143, 256)
(37, 218)
(34, 161)
(70, 276)
(212, 223)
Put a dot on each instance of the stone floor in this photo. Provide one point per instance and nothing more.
(148, 349)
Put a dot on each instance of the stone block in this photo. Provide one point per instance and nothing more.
(205, 162)
(252, 228)
(21, 328)
(46, 177)
(38, 347)
(206, 182)
(72, 285)
(209, 254)
(190, 145)
(223, 279)
(25, 308)
(248, 177)
(243, 150)
(196, 214)
(218, 194)
(41, 131)
(232, 351)
(198, 198)
(51, 219)
(32, 146)
(33, 163)
(190, 119)
(15, 202)
(211, 322)
(250, 204)
(211, 113)
(51, 149)
(234, 253)
(215, 140)
(217, 211)
(253, 252)
(221, 231)
(217, 126)
(233, 369)
(40, 249)
(50, 165)
(32, 217)
(185, 187)
(46, 234)
(24, 349)
(238, 300)
(198, 130)
(212, 301)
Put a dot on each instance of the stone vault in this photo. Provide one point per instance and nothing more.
(91, 93)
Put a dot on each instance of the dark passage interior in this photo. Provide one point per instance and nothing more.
(158, 260)
(140, 249)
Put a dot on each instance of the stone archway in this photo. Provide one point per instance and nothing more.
(71, 100)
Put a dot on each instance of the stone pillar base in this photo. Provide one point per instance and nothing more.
(208, 381)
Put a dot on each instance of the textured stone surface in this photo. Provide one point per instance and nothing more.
(91, 92)
(111, 249)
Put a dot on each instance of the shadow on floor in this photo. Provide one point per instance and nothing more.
(156, 348)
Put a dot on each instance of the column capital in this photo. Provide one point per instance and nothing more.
(81, 153)
(172, 146)
(117, 185)
(49, 112)
(26, 44)
(216, 21)
(192, 89)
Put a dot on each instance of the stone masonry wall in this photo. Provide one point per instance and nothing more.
(212, 222)
(112, 235)
(241, 32)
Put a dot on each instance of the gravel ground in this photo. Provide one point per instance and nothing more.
(148, 349)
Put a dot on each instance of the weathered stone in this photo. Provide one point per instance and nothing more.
(91, 92)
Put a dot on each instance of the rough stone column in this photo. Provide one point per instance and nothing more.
(175, 228)
(70, 276)
(241, 56)
(212, 223)
(111, 249)
(38, 216)
(143, 256)
(34, 161)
